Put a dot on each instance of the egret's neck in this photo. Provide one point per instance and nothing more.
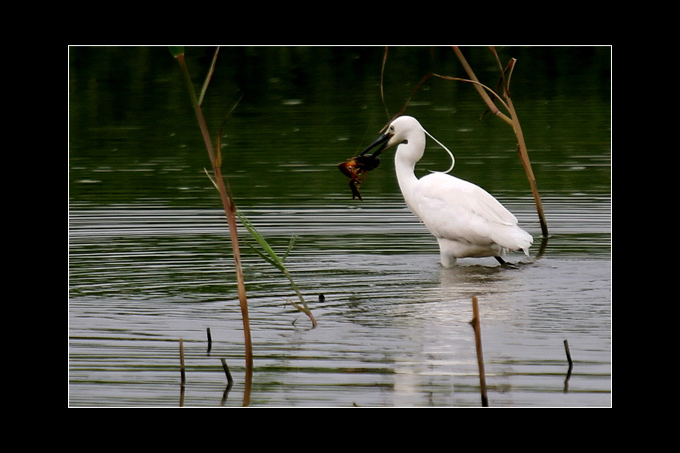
(404, 167)
(405, 159)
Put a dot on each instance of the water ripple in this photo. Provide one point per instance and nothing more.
(393, 326)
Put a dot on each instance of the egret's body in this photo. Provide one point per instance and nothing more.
(466, 220)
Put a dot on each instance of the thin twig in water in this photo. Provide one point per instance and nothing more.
(230, 380)
(571, 365)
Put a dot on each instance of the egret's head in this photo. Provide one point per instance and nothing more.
(399, 131)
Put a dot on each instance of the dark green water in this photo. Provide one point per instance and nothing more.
(150, 261)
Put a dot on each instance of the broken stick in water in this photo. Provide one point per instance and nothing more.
(571, 365)
(478, 344)
(181, 361)
(230, 380)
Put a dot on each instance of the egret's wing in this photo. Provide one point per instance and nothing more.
(485, 205)
(454, 208)
(463, 196)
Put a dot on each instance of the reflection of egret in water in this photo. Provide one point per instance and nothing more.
(465, 281)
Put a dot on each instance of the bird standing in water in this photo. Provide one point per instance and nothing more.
(466, 220)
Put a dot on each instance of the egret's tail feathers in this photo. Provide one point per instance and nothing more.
(514, 239)
(525, 240)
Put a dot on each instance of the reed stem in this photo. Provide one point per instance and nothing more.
(478, 345)
(227, 203)
(514, 122)
(181, 362)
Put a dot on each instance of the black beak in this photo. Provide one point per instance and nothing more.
(382, 140)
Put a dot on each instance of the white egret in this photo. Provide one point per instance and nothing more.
(466, 220)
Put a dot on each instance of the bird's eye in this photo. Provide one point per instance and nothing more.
(391, 128)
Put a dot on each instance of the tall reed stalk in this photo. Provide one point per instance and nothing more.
(513, 121)
(227, 203)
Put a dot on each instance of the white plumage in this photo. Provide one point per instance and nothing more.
(466, 220)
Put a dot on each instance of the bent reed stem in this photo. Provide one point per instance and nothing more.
(485, 93)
